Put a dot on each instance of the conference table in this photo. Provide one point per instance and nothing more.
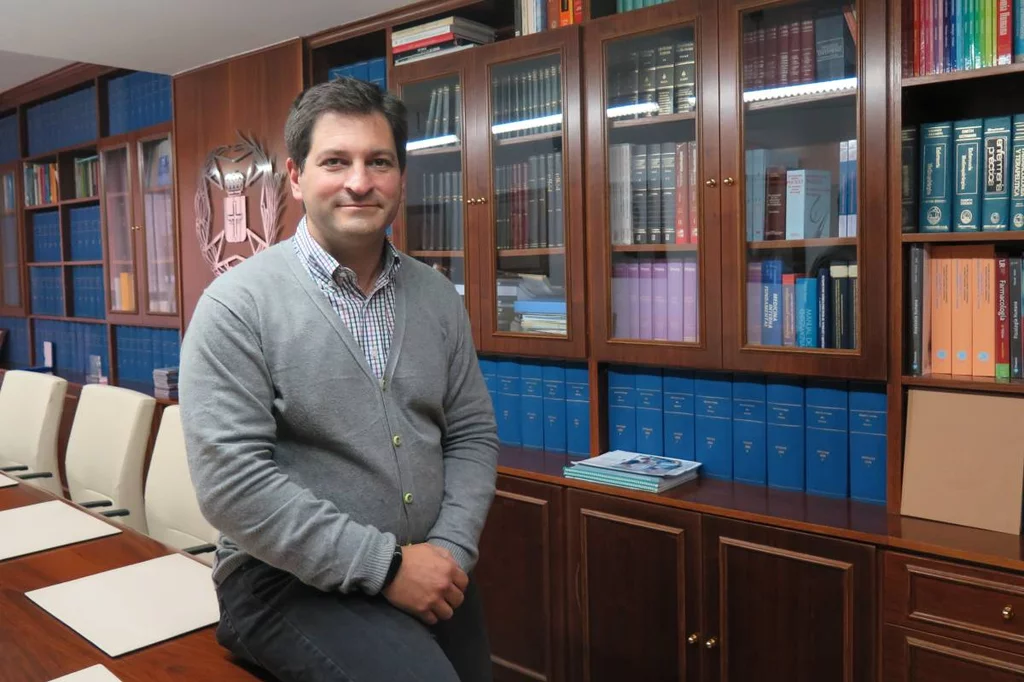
(36, 647)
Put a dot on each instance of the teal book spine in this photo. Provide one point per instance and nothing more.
(996, 189)
(967, 136)
(936, 194)
(1017, 177)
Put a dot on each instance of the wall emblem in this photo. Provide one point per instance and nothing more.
(233, 170)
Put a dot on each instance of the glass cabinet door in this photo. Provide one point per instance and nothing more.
(10, 244)
(434, 221)
(117, 216)
(156, 181)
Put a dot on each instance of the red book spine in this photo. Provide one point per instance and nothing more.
(694, 206)
(682, 193)
(577, 12)
(795, 53)
(759, 62)
(1003, 317)
(918, 38)
(771, 56)
(783, 55)
(1004, 40)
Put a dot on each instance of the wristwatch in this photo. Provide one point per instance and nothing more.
(396, 563)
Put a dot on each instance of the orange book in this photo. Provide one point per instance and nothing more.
(961, 321)
(940, 279)
(983, 294)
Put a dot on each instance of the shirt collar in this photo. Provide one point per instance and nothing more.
(325, 268)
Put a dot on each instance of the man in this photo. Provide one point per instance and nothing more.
(339, 432)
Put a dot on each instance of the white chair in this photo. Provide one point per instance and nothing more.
(31, 405)
(107, 450)
(172, 512)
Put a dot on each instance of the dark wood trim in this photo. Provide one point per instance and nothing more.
(970, 74)
(71, 76)
(956, 237)
(895, 403)
(953, 382)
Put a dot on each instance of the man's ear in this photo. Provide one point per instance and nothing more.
(293, 178)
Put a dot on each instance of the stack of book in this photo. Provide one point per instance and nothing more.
(165, 383)
(632, 470)
(438, 37)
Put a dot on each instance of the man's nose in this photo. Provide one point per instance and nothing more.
(359, 181)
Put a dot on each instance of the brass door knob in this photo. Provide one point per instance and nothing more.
(711, 643)
(1007, 613)
(470, 201)
(482, 200)
(693, 639)
(729, 182)
(711, 182)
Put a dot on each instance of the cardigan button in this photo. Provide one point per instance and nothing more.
(407, 498)
(397, 440)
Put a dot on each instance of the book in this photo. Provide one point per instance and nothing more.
(624, 461)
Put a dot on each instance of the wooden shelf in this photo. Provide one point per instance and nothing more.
(961, 237)
(652, 120)
(653, 248)
(59, 318)
(967, 74)
(42, 207)
(72, 263)
(526, 139)
(452, 149)
(955, 382)
(802, 243)
(522, 253)
(436, 254)
(799, 100)
(46, 264)
(82, 200)
(52, 155)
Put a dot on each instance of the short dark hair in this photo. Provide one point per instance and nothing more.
(346, 96)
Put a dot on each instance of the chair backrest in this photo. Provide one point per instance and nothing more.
(31, 405)
(172, 512)
(107, 449)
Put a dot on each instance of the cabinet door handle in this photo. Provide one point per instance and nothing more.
(728, 182)
(693, 639)
(482, 200)
(471, 200)
(711, 182)
(711, 643)
(1007, 613)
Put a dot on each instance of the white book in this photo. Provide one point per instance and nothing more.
(808, 204)
(844, 209)
(637, 463)
(851, 191)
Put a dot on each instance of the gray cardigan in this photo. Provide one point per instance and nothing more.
(301, 458)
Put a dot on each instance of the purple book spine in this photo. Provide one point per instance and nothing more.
(691, 293)
(646, 299)
(620, 300)
(659, 308)
(634, 300)
(754, 307)
(675, 300)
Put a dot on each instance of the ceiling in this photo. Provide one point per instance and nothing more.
(160, 36)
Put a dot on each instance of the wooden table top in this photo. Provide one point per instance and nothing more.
(36, 647)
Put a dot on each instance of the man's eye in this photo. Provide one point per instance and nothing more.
(382, 163)
(332, 162)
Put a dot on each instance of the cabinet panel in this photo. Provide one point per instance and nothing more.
(804, 201)
(910, 656)
(156, 185)
(637, 583)
(521, 574)
(119, 230)
(652, 195)
(11, 299)
(799, 605)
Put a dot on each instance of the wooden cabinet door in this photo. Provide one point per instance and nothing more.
(636, 590)
(797, 605)
(521, 574)
(911, 656)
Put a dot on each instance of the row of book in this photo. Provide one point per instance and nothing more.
(87, 292)
(530, 303)
(529, 203)
(630, 5)
(822, 437)
(634, 471)
(86, 233)
(15, 352)
(9, 139)
(46, 246)
(534, 16)
(42, 184)
(138, 100)
(963, 176)
(444, 115)
(371, 70)
(654, 197)
(87, 176)
(122, 289)
(161, 250)
(816, 311)
(440, 212)
(799, 49)
(10, 261)
(62, 122)
(526, 96)
(661, 74)
(540, 404)
(8, 194)
(46, 291)
(964, 311)
(141, 350)
(438, 37)
(165, 383)
(656, 299)
(71, 344)
(940, 36)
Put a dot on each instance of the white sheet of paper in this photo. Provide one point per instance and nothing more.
(97, 673)
(131, 607)
(46, 525)
(6, 481)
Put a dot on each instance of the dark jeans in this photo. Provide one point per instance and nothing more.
(295, 632)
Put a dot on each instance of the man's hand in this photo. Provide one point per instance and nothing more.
(429, 583)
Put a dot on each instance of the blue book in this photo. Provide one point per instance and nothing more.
(785, 433)
(868, 428)
(825, 326)
(771, 286)
(531, 410)
(936, 177)
(622, 409)
(650, 439)
(540, 307)
(510, 429)
(998, 173)
(748, 429)
(806, 291)
(826, 446)
(554, 407)
(489, 368)
(577, 410)
(713, 423)
(677, 405)
(967, 136)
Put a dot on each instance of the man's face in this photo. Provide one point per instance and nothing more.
(351, 184)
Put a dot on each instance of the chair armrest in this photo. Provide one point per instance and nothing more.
(95, 503)
(115, 512)
(200, 549)
(14, 467)
(35, 474)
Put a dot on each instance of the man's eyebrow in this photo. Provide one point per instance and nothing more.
(381, 151)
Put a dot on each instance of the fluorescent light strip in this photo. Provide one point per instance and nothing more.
(632, 109)
(431, 142)
(511, 126)
(841, 85)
